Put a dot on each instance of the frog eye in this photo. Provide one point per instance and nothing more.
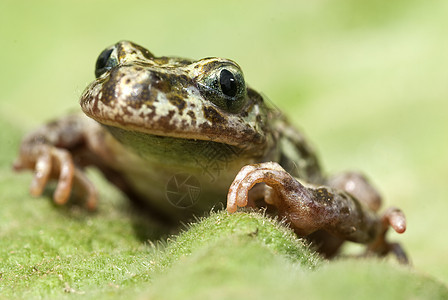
(228, 83)
(106, 61)
(225, 87)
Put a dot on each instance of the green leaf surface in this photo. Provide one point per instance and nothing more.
(366, 80)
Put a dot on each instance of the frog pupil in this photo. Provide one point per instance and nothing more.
(228, 83)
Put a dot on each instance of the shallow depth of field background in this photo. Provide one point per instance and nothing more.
(365, 80)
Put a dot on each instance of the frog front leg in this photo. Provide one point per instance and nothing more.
(310, 209)
(54, 151)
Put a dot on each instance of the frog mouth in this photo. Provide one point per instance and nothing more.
(203, 134)
(229, 130)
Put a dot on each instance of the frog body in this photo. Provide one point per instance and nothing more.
(167, 127)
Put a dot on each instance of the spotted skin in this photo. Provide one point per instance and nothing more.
(151, 118)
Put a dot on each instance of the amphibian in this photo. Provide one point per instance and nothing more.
(173, 133)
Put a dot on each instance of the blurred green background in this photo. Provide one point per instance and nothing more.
(365, 80)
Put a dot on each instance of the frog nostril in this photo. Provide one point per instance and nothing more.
(155, 78)
(160, 83)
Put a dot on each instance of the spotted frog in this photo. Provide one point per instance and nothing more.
(177, 135)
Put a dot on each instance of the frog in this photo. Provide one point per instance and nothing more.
(164, 128)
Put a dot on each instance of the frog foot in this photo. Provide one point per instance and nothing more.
(51, 162)
(247, 177)
(311, 208)
(395, 218)
(293, 200)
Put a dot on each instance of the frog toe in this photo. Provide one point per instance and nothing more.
(395, 218)
(42, 172)
(400, 254)
(238, 194)
(270, 173)
(87, 188)
(65, 166)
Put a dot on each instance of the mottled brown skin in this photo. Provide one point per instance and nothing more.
(324, 211)
(153, 117)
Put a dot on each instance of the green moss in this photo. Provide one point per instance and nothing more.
(267, 232)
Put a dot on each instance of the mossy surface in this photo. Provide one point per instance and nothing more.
(365, 80)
